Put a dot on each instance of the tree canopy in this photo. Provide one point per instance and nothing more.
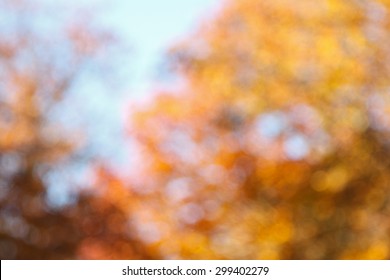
(274, 145)
(41, 61)
(277, 145)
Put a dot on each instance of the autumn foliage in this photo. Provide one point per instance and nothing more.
(275, 145)
(38, 72)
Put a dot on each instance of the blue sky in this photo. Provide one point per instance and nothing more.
(149, 27)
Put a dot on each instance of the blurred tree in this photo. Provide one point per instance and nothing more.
(277, 147)
(40, 62)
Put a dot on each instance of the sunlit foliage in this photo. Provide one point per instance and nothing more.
(277, 147)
